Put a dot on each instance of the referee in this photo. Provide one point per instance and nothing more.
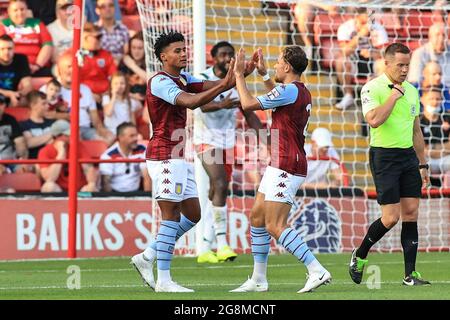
(397, 160)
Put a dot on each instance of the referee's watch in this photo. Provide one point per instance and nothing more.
(424, 166)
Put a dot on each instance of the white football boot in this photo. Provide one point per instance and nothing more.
(144, 268)
(315, 280)
(170, 286)
(252, 286)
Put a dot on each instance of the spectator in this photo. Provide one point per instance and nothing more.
(305, 13)
(91, 126)
(12, 142)
(432, 77)
(56, 176)
(98, 64)
(360, 40)
(133, 66)
(36, 130)
(125, 177)
(61, 29)
(436, 49)
(91, 15)
(15, 74)
(30, 36)
(44, 10)
(115, 34)
(57, 107)
(118, 107)
(322, 173)
(435, 129)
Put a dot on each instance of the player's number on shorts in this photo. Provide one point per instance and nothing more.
(305, 131)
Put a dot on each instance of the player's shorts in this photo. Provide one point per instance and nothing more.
(173, 180)
(395, 173)
(227, 157)
(280, 186)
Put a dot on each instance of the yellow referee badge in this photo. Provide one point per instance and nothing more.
(178, 188)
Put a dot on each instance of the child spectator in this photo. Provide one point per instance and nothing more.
(118, 107)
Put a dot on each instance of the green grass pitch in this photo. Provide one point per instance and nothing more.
(114, 278)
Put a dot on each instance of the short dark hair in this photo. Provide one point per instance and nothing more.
(6, 38)
(296, 57)
(396, 47)
(54, 82)
(34, 96)
(164, 40)
(219, 45)
(124, 125)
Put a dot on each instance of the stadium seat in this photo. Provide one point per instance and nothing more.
(20, 113)
(94, 148)
(38, 82)
(22, 182)
(132, 22)
(418, 22)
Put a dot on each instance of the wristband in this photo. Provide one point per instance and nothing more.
(424, 166)
(266, 77)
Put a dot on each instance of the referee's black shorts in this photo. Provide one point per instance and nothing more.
(396, 174)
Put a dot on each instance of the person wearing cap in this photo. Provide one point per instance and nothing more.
(115, 33)
(98, 64)
(322, 173)
(30, 36)
(12, 142)
(36, 129)
(61, 29)
(56, 176)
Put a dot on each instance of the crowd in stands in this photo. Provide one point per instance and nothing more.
(36, 77)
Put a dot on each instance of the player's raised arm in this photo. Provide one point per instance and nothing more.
(258, 59)
(248, 102)
(194, 100)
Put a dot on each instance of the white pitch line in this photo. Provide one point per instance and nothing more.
(112, 286)
(224, 266)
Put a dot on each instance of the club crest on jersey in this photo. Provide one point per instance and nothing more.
(178, 188)
(101, 63)
(318, 223)
(413, 110)
(273, 94)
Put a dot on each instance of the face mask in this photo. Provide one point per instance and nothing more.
(433, 110)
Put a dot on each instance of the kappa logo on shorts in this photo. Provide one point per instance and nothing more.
(178, 188)
(166, 181)
(280, 195)
(166, 191)
(166, 171)
(283, 175)
(282, 185)
(165, 162)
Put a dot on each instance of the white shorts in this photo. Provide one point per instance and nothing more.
(173, 180)
(280, 186)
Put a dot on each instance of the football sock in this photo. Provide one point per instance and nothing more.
(220, 225)
(410, 244)
(260, 240)
(376, 231)
(165, 243)
(183, 226)
(291, 240)
(208, 228)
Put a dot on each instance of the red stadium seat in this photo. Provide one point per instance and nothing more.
(38, 82)
(20, 113)
(22, 182)
(94, 148)
(418, 22)
(132, 22)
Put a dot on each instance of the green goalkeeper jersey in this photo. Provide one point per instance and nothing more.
(397, 130)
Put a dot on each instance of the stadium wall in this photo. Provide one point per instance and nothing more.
(36, 228)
